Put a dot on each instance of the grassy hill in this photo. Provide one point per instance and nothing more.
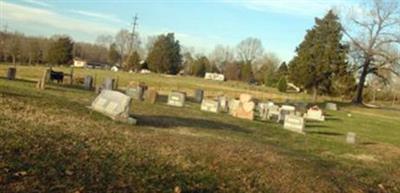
(50, 142)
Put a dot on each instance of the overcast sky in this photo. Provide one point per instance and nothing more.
(280, 24)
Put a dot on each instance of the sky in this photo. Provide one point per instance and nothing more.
(200, 24)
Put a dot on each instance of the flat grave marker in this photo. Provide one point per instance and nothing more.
(113, 104)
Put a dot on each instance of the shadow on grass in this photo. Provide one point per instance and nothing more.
(325, 133)
(162, 121)
(19, 80)
(316, 126)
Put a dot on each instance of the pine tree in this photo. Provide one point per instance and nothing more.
(164, 56)
(321, 57)
(282, 84)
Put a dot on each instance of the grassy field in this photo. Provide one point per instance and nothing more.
(50, 142)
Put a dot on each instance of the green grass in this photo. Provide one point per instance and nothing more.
(50, 142)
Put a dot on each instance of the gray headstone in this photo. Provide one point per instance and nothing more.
(176, 99)
(109, 84)
(223, 103)
(351, 138)
(11, 73)
(331, 106)
(198, 95)
(136, 93)
(113, 104)
(88, 82)
(210, 105)
(294, 123)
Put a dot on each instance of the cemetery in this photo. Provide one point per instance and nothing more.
(145, 113)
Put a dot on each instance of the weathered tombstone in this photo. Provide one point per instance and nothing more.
(301, 107)
(11, 73)
(314, 113)
(294, 123)
(273, 111)
(113, 104)
(109, 84)
(351, 138)
(152, 96)
(88, 82)
(245, 98)
(135, 93)
(233, 104)
(41, 84)
(210, 105)
(223, 103)
(198, 95)
(331, 106)
(176, 98)
(286, 110)
(245, 110)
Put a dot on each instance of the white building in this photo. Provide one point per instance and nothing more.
(79, 63)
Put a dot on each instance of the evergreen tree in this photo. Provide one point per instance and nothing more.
(113, 55)
(60, 51)
(282, 85)
(246, 72)
(200, 65)
(164, 56)
(321, 57)
(133, 61)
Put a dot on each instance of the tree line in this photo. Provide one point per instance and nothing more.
(331, 60)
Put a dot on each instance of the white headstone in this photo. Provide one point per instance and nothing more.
(314, 113)
(223, 103)
(176, 99)
(294, 123)
(351, 138)
(233, 105)
(331, 106)
(245, 98)
(210, 105)
(273, 111)
(113, 104)
(286, 110)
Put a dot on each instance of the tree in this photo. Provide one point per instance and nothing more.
(320, 57)
(373, 37)
(133, 61)
(200, 66)
(221, 55)
(123, 43)
(60, 51)
(282, 84)
(265, 69)
(232, 71)
(249, 49)
(164, 56)
(246, 73)
(113, 54)
(35, 52)
(104, 40)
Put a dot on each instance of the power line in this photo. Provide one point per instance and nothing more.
(134, 25)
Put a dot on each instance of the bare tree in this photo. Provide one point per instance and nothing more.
(221, 55)
(123, 42)
(104, 40)
(373, 35)
(249, 49)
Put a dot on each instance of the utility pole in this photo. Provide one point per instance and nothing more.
(134, 25)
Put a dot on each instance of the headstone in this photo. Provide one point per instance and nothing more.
(245, 111)
(245, 98)
(223, 103)
(294, 123)
(11, 73)
(331, 106)
(351, 138)
(286, 110)
(233, 104)
(214, 76)
(152, 96)
(273, 111)
(176, 98)
(113, 104)
(301, 107)
(314, 113)
(210, 105)
(109, 84)
(88, 82)
(198, 95)
(41, 84)
(135, 93)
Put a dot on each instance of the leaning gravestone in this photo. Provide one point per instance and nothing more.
(88, 82)
(210, 106)
(294, 123)
(11, 72)
(176, 99)
(113, 104)
(331, 106)
(314, 113)
(351, 138)
(198, 95)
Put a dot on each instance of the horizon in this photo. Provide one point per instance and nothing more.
(225, 22)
